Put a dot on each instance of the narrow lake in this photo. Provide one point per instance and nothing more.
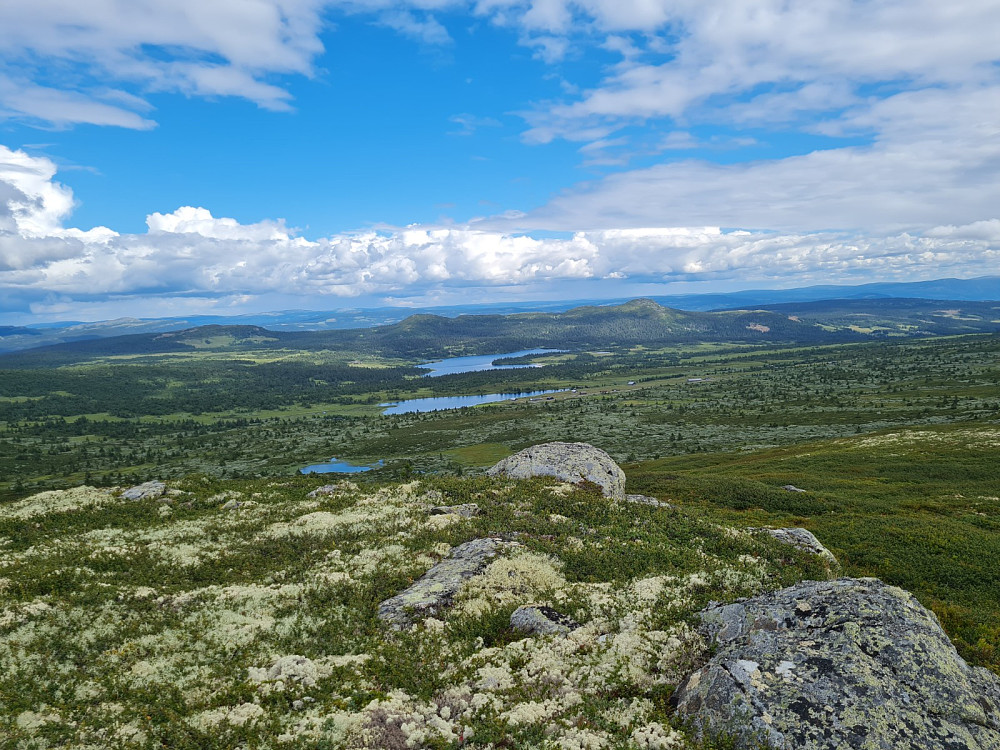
(437, 403)
(455, 365)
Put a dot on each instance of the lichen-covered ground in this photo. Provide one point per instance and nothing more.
(243, 614)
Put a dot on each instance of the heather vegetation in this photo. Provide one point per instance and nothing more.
(244, 613)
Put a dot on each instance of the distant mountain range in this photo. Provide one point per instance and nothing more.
(638, 322)
(15, 338)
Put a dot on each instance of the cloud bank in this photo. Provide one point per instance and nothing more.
(49, 268)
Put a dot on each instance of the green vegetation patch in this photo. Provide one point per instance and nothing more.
(244, 613)
(918, 508)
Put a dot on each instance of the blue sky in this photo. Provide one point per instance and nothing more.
(168, 157)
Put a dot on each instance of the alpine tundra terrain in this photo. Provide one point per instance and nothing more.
(233, 601)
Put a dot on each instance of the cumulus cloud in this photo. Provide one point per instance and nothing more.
(190, 254)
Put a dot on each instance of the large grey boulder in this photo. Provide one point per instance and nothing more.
(436, 588)
(850, 663)
(570, 462)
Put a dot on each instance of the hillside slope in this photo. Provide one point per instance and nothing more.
(245, 613)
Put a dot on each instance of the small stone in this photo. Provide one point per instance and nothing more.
(145, 491)
(541, 620)
(803, 539)
(647, 500)
(792, 488)
(298, 705)
(332, 489)
(466, 510)
(232, 505)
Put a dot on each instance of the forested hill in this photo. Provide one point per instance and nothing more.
(640, 321)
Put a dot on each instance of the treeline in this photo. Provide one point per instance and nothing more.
(124, 390)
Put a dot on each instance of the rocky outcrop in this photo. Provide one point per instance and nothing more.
(435, 590)
(536, 619)
(850, 663)
(145, 491)
(803, 539)
(570, 462)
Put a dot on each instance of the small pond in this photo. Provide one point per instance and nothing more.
(333, 466)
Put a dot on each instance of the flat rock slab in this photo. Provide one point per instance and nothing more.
(570, 462)
(537, 619)
(145, 491)
(850, 663)
(803, 539)
(436, 588)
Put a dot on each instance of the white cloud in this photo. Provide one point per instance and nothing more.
(729, 47)
(935, 161)
(189, 254)
(426, 30)
(199, 221)
(199, 47)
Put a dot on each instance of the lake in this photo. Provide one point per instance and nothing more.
(333, 466)
(478, 363)
(413, 405)
(451, 366)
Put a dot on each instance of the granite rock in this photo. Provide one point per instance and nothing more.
(435, 590)
(466, 510)
(802, 539)
(536, 619)
(569, 462)
(145, 491)
(647, 500)
(849, 663)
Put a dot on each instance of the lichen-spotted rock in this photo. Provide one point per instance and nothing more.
(436, 588)
(539, 619)
(850, 663)
(145, 491)
(570, 462)
(802, 539)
